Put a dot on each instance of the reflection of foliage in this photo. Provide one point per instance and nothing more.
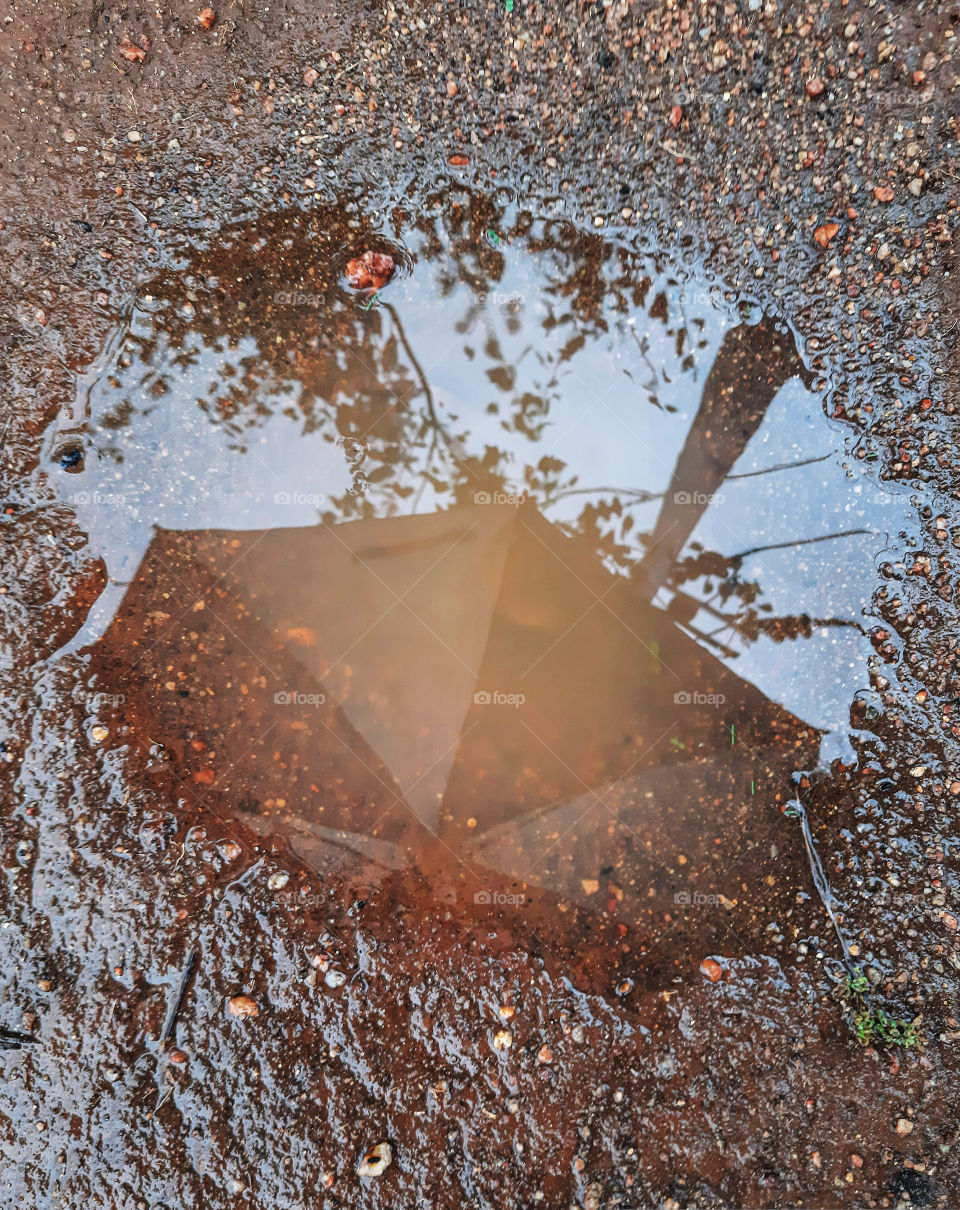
(349, 371)
(735, 602)
(606, 524)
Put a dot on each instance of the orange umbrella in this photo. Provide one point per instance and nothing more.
(462, 684)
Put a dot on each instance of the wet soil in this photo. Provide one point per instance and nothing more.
(474, 928)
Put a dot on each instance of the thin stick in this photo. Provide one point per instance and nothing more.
(820, 879)
(178, 1003)
(13, 1039)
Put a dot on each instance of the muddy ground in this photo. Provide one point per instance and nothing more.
(808, 154)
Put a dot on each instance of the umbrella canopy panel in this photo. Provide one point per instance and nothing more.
(417, 688)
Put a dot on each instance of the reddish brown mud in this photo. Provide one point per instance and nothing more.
(266, 909)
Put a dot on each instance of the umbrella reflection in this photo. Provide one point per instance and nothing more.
(473, 693)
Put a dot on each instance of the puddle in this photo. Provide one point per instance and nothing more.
(536, 574)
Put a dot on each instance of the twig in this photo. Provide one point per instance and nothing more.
(679, 154)
(13, 1039)
(178, 1003)
(639, 494)
(797, 808)
(848, 533)
(781, 466)
(451, 444)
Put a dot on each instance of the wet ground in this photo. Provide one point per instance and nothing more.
(491, 718)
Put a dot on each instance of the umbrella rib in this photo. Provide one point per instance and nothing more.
(559, 639)
(584, 584)
(729, 870)
(399, 598)
(597, 798)
(391, 789)
(401, 798)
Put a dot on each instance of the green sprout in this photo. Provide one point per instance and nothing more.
(852, 988)
(875, 1026)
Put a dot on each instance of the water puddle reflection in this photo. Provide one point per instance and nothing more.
(538, 572)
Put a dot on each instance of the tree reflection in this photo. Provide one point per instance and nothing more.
(269, 304)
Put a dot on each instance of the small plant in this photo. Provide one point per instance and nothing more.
(875, 1026)
(853, 988)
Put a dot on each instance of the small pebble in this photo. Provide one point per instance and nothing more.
(904, 1125)
(242, 1007)
(376, 1160)
(502, 1039)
